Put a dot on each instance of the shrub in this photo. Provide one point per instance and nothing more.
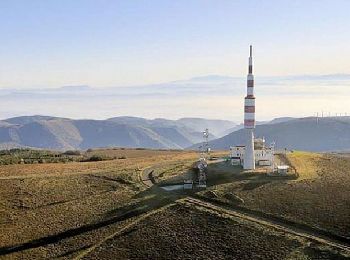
(72, 152)
(94, 158)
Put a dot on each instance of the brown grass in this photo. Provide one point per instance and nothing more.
(187, 232)
(320, 197)
(40, 200)
(306, 163)
(91, 200)
(136, 159)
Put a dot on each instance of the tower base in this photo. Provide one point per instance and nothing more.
(249, 156)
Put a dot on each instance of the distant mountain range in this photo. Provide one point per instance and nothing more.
(45, 132)
(65, 134)
(273, 121)
(310, 134)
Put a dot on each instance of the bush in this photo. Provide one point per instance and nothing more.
(72, 152)
(94, 158)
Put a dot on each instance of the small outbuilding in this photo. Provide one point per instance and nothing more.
(282, 169)
(264, 155)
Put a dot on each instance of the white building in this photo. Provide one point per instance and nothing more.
(263, 155)
(282, 169)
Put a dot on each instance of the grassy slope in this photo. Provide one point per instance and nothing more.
(47, 199)
(329, 134)
(319, 197)
(40, 200)
(306, 163)
(183, 232)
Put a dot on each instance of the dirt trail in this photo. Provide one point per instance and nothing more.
(263, 219)
(120, 231)
(138, 214)
(320, 238)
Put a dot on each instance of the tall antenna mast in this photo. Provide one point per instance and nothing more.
(249, 117)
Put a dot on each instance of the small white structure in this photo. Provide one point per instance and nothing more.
(237, 154)
(263, 155)
(282, 169)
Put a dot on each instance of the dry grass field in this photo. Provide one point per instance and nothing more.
(105, 210)
(180, 231)
(319, 197)
(41, 200)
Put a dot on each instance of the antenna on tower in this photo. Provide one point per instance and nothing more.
(206, 143)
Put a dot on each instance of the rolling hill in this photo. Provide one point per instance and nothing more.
(45, 132)
(216, 127)
(241, 126)
(328, 134)
(63, 134)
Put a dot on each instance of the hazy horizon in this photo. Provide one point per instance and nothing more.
(213, 96)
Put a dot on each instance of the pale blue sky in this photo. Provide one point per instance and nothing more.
(50, 43)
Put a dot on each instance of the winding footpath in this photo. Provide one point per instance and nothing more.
(277, 225)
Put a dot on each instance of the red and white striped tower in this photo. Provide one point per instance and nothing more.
(249, 118)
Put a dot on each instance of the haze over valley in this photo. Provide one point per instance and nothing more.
(215, 97)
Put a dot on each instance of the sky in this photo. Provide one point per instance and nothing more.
(146, 45)
(50, 43)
